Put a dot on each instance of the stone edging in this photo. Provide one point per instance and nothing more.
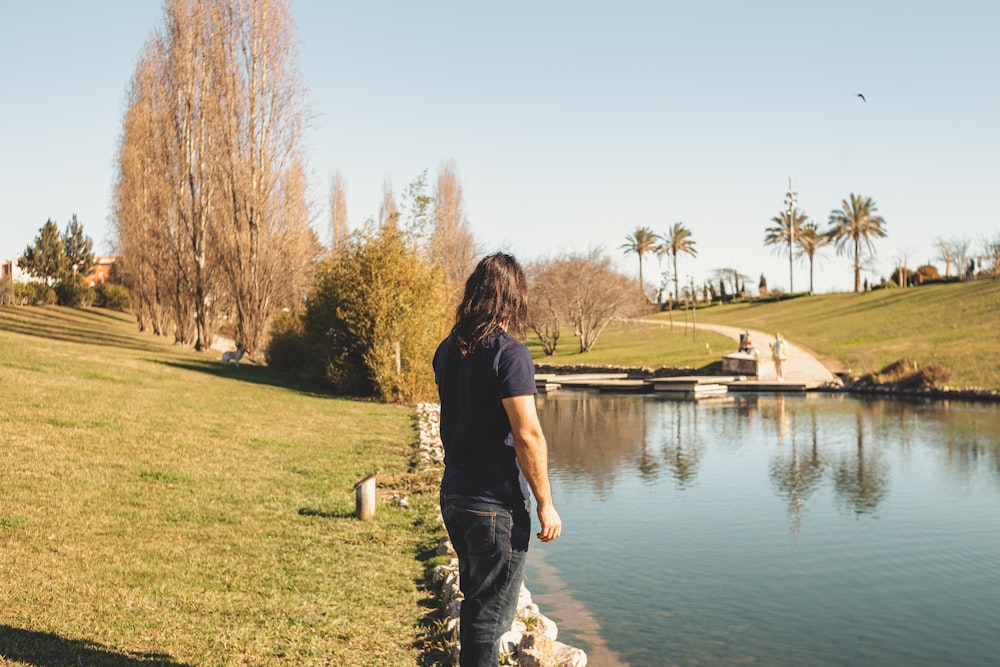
(852, 385)
(531, 640)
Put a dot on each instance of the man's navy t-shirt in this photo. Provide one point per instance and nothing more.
(478, 444)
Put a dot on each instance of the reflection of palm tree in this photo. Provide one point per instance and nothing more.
(862, 482)
(683, 453)
(797, 477)
(649, 467)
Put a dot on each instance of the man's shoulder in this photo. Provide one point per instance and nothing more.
(503, 343)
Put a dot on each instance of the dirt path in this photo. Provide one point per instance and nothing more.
(799, 367)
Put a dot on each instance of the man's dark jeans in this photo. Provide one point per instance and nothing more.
(491, 541)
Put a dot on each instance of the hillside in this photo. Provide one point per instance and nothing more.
(159, 507)
(953, 324)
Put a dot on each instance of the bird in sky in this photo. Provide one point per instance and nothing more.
(862, 98)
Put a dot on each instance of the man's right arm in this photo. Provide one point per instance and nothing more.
(532, 455)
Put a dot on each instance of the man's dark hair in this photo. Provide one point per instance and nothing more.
(496, 294)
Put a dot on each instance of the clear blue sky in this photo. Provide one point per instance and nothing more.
(571, 123)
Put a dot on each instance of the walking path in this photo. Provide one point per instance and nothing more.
(800, 366)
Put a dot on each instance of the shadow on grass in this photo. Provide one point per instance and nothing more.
(68, 325)
(261, 375)
(44, 649)
(323, 514)
(433, 640)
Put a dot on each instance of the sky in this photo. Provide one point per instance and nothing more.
(571, 123)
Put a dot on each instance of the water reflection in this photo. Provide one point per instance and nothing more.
(600, 439)
(860, 477)
(796, 475)
(681, 442)
(778, 529)
(596, 437)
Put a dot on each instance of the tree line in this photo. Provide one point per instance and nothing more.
(852, 229)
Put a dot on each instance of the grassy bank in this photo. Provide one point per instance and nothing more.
(951, 324)
(641, 344)
(158, 508)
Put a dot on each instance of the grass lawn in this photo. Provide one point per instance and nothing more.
(158, 508)
(641, 344)
(954, 324)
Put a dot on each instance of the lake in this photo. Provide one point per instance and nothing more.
(814, 529)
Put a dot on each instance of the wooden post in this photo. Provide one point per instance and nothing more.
(364, 498)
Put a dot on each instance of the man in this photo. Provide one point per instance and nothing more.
(494, 452)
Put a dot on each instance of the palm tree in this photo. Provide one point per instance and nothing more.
(783, 233)
(676, 240)
(643, 240)
(852, 228)
(810, 240)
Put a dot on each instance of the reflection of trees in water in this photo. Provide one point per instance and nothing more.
(965, 435)
(861, 478)
(591, 436)
(836, 440)
(796, 475)
(682, 444)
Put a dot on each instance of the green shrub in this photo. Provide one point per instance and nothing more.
(113, 297)
(73, 293)
(34, 294)
(290, 352)
(377, 297)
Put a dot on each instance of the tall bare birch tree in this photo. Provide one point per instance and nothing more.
(388, 211)
(338, 212)
(189, 80)
(453, 247)
(263, 232)
(210, 171)
(141, 207)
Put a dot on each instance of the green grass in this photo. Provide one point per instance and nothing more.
(641, 344)
(956, 325)
(159, 508)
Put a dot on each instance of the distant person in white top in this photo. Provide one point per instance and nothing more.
(779, 352)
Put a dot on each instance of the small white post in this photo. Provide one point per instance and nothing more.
(364, 498)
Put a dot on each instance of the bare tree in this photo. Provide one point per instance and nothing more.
(210, 202)
(187, 80)
(991, 253)
(953, 251)
(142, 200)
(388, 211)
(731, 276)
(453, 247)
(584, 291)
(338, 211)
(545, 312)
(263, 235)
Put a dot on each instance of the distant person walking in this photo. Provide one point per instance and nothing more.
(494, 452)
(779, 352)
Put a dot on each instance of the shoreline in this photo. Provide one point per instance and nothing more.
(847, 385)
